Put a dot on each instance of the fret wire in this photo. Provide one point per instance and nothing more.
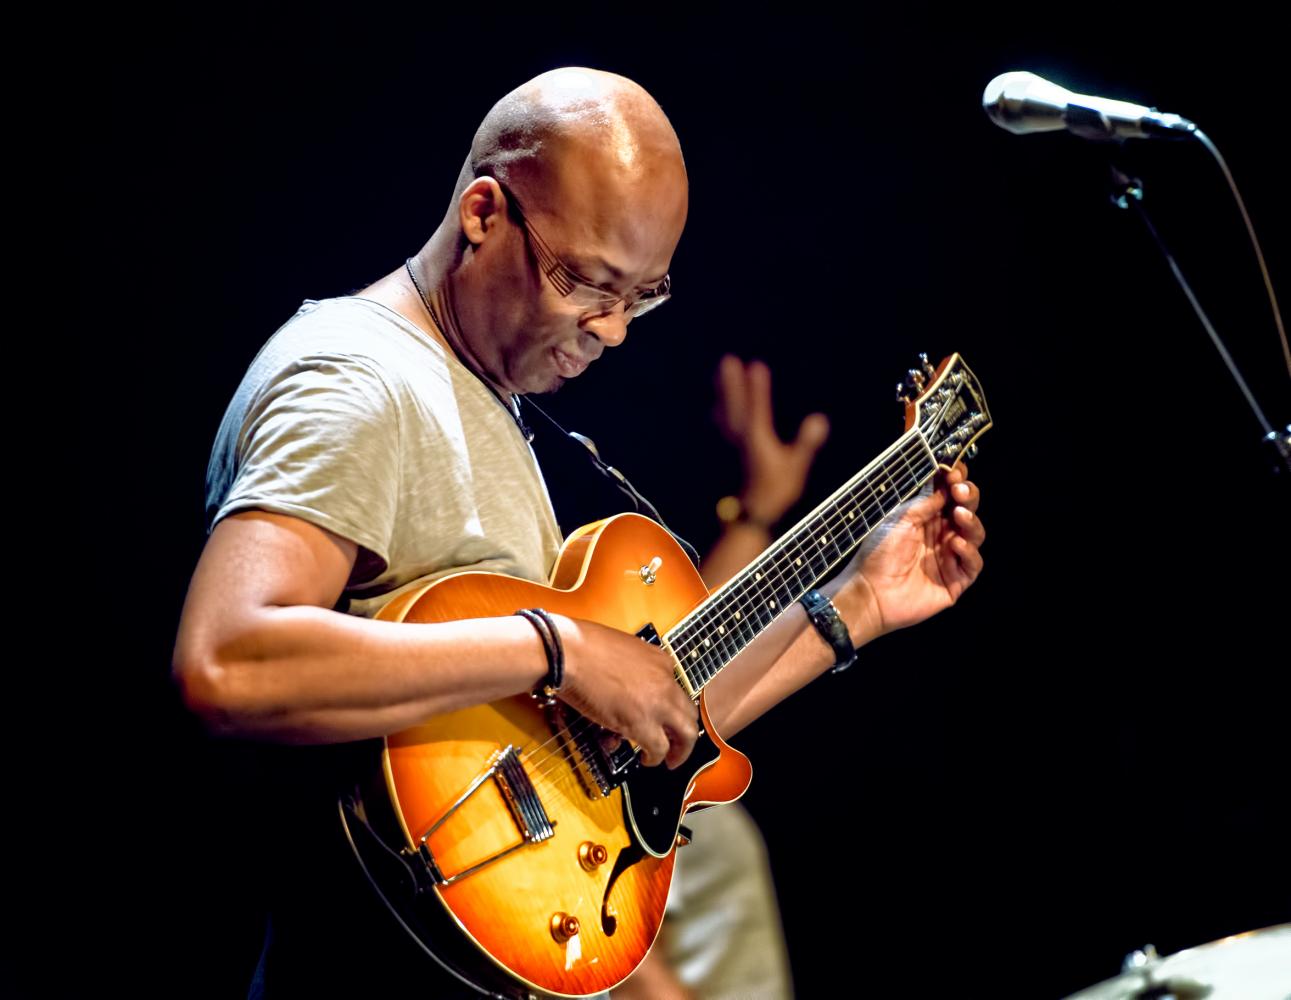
(750, 593)
(711, 659)
(765, 566)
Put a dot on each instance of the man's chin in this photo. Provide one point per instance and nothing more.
(541, 383)
(555, 385)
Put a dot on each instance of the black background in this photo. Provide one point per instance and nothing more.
(1088, 752)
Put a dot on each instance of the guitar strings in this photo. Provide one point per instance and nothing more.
(747, 592)
(758, 590)
(849, 493)
(908, 483)
(555, 768)
(845, 505)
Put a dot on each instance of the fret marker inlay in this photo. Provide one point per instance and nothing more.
(814, 548)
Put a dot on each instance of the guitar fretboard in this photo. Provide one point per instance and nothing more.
(733, 616)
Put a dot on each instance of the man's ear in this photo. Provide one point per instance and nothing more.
(480, 208)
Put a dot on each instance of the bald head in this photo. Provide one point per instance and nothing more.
(606, 125)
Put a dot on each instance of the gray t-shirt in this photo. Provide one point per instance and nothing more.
(355, 420)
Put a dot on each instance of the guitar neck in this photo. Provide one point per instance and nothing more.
(736, 613)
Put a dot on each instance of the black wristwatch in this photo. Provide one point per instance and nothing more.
(829, 623)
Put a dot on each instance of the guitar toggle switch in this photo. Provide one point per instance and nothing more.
(648, 573)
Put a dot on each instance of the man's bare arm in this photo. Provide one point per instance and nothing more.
(786, 657)
(260, 654)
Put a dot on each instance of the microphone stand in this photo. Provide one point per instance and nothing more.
(1127, 193)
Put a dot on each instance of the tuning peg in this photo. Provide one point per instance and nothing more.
(902, 393)
(928, 370)
(971, 451)
(915, 380)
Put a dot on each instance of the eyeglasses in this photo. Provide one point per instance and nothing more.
(584, 294)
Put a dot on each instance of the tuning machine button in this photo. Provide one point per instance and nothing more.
(928, 370)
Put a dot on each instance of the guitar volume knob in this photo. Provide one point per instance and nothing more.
(563, 926)
(592, 856)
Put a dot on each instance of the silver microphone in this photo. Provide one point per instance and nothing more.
(1023, 102)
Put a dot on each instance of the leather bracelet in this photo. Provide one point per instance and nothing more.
(829, 623)
(546, 628)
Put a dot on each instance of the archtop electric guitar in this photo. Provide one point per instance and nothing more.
(524, 857)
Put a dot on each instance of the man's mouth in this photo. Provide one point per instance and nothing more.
(568, 364)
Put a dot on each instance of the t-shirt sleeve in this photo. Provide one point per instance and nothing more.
(320, 440)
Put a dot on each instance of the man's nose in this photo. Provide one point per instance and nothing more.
(610, 328)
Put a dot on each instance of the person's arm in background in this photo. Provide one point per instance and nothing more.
(775, 471)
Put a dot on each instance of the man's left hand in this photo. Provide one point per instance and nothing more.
(928, 557)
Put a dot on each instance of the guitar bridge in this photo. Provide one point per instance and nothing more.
(521, 798)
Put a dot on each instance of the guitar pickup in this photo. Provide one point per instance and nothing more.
(599, 771)
(522, 797)
(579, 742)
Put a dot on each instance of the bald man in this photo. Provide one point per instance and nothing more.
(376, 443)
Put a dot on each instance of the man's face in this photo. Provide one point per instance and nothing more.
(616, 235)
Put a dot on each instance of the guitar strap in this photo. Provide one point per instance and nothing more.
(639, 502)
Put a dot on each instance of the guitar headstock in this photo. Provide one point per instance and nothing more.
(950, 409)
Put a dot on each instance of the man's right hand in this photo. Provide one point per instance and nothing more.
(629, 687)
